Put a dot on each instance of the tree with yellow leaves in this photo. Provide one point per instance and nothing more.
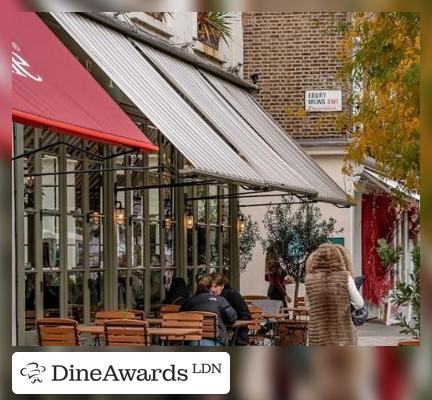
(380, 54)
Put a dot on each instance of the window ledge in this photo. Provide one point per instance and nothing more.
(147, 22)
(209, 52)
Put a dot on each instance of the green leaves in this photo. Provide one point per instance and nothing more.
(247, 241)
(295, 232)
(408, 293)
(215, 25)
(388, 255)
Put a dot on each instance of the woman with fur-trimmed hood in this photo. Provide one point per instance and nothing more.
(330, 292)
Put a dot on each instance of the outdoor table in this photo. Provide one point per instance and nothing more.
(95, 330)
(235, 327)
(178, 333)
(154, 321)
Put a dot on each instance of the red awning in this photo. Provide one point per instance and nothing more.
(51, 88)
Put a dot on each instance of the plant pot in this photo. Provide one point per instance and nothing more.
(409, 342)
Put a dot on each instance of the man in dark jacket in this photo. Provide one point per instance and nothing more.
(204, 300)
(221, 287)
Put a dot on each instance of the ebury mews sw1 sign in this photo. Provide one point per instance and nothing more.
(323, 100)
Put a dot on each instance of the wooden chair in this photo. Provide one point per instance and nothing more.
(102, 316)
(168, 309)
(255, 336)
(139, 314)
(186, 320)
(57, 332)
(210, 328)
(126, 332)
(300, 315)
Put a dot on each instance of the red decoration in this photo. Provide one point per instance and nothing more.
(378, 221)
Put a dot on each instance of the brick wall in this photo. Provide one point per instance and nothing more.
(294, 52)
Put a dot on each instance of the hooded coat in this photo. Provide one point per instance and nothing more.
(326, 282)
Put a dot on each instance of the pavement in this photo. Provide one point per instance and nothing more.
(376, 333)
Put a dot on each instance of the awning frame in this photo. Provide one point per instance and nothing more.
(48, 146)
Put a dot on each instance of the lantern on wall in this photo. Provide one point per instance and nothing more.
(241, 222)
(119, 213)
(189, 219)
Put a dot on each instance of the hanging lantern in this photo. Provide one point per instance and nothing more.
(167, 222)
(119, 214)
(241, 223)
(189, 220)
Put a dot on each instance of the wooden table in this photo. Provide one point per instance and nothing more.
(179, 333)
(92, 329)
(176, 333)
(235, 327)
(239, 324)
(273, 316)
(154, 321)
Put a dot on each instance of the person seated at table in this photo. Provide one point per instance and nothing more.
(204, 300)
(177, 293)
(221, 287)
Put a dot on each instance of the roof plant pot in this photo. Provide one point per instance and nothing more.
(213, 26)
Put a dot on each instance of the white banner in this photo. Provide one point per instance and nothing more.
(120, 373)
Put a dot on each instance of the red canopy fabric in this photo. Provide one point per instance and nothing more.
(51, 88)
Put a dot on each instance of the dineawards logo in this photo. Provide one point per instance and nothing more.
(121, 372)
(33, 371)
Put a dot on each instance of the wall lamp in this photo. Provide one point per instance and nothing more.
(189, 219)
(119, 213)
(241, 223)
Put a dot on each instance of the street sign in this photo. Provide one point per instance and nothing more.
(323, 100)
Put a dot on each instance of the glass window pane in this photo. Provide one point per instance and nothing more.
(30, 306)
(201, 234)
(76, 296)
(96, 287)
(96, 246)
(29, 241)
(121, 246)
(51, 293)
(213, 211)
(214, 246)
(138, 289)
(74, 186)
(75, 257)
(29, 182)
(138, 244)
(50, 241)
(155, 286)
(154, 244)
(50, 183)
(122, 285)
(226, 247)
(190, 280)
(190, 247)
(169, 247)
(154, 204)
(201, 204)
(95, 188)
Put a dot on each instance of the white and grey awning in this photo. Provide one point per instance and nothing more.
(217, 126)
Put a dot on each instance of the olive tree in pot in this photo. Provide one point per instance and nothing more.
(294, 233)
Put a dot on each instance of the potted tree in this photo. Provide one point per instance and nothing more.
(248, 239)
(296, 233)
